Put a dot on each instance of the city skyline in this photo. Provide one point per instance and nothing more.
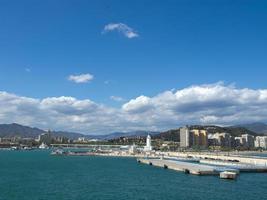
(99, 67)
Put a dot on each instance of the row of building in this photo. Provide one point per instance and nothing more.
(202, 139)
(48, 138)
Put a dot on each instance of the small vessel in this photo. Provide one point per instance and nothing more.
(228, 175)
(43, 146)
(58, 152)
(14, 148)
(27, 148)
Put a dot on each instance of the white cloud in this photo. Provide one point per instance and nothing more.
(138, 105)
(82, 78)
(199, 104)
(122, 28)
(117, 98)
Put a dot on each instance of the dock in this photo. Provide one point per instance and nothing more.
(205, 167)
(242, 167)
(186, 167)
(253, 160)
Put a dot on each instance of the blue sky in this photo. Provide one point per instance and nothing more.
(177, 44)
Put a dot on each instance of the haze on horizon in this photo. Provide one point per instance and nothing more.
(97, 67)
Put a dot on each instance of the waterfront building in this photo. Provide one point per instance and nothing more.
(245, 140)
(186, 137)
(45, 138)
(195, 137)
(220, 139)
(61, 139)
(82, 139)
(200, 138)
(133, 149)
(148, 146)
(261, 142)
(238, 141)
(248, 140)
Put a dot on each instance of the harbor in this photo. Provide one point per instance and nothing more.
(195, 163)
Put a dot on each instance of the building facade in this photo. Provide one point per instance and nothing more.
(193, 138)
(186, 138)
(261, 142)
(45, 138)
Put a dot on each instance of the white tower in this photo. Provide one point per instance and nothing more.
(148, 146)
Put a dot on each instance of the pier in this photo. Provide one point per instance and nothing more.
(204, 167)
(253, 160)
(243, 167)
(186, 167)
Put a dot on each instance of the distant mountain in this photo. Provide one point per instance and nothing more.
(123, 134)
(255, 127)
(17, 130)
(170, 135)
(174, 134)
(13, 130)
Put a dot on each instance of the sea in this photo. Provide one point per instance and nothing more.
(37, 175)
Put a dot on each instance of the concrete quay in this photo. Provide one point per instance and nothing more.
(186, 167)
(253, 160)
(242, 167)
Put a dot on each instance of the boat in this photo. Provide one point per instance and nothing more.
(27, 148)
(58, 152)
(228, 175)
(43, 146)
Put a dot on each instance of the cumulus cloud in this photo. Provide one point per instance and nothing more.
(81, 78)
(200, 104)
(138, 105)
(121, 28)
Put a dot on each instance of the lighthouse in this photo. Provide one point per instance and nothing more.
(148, 146)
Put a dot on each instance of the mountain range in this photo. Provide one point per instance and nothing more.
(17, 130)
(252, 129)
(257, 127)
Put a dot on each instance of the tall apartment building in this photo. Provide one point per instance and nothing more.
(45, 138)
(248, 140)
(195, 137)
(221, 139)
(186, 139)
(261, 142)
(245, 140)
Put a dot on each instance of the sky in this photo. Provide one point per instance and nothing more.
(101, 66)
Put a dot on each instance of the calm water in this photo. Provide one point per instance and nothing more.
(35, 175)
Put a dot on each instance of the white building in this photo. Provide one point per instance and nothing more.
(220, 139)
(132, 149)
(82, 139)
(45, 138)
(248, 140)
(261, 142)
(186, 138)
(245, 140)
(148, 146)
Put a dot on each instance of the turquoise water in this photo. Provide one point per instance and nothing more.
(35, 175)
